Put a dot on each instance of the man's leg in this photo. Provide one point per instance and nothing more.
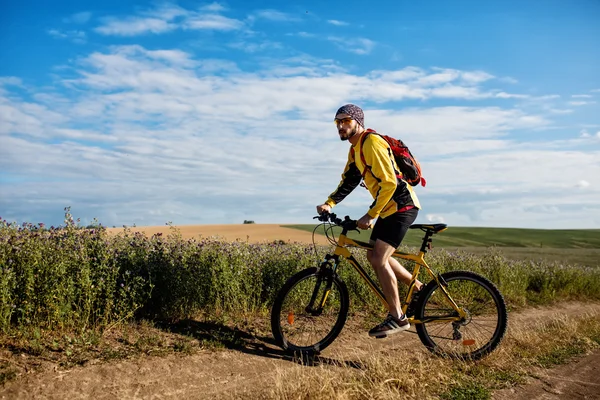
(402, 273)
(387, 235)
(379, 258)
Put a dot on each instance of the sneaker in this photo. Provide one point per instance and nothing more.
(390, 326)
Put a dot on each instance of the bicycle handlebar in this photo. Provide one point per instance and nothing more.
(347, 224)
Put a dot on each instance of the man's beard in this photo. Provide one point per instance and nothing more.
(352, 133)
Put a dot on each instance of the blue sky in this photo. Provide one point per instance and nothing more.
(207, 113)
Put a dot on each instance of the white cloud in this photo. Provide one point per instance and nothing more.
(176, 57)
(586, 135)
(546, 97)
(508, 79)
(454, 129)
(524, 185)
(504, 95)
(213, 22)
(302, 34)
(561, 111)
(274, 15)
(360, 46)
(434, 218)
(476, 77)
(454, 91)
(200, 141)
(583, 184)
(214, 7)
(132, 26)
(79, 18)
(168, 17)
(253, 47)
(337, 23)
(10, 80)
(441, 77)
(581, 96)
(405, 74)
(120, 69)
(167, 11)
(446, 75)
(73, 35)
(581, 103)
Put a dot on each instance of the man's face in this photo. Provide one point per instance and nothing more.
(346, 126)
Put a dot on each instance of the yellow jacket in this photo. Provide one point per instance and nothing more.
(390, 192)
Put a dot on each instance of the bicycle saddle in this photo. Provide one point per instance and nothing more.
(429, 227)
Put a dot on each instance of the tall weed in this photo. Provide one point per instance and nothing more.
(76, 277)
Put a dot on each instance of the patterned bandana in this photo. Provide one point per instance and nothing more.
(354, 111)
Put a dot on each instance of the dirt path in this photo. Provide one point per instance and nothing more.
(577, 380)
(251, 368)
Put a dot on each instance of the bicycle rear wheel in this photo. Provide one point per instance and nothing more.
(472, 337)
(310, 311)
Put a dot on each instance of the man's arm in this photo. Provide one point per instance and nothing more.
(351, 177)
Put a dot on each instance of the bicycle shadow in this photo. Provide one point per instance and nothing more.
(220, 335)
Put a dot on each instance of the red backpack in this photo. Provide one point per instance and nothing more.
(408, 164)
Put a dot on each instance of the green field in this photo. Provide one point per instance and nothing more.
(577, 246)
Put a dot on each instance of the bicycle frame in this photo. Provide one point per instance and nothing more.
(341, 250)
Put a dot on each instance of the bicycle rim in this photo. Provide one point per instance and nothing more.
(474, 336)
(301, 329)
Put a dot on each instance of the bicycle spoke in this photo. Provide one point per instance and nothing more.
(309, 329)
(475, 334)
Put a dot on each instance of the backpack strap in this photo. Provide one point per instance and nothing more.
(362, 156)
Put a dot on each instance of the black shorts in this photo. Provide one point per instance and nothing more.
(393, 228)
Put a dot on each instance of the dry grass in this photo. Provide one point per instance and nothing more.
(410, 374)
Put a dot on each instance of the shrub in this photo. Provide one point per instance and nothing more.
(83, 277)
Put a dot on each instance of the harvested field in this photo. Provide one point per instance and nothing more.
(253, 233)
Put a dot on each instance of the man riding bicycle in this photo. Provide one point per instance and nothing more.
(395, 207)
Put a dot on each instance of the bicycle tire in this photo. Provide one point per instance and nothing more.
(470, 342)
(283, 337)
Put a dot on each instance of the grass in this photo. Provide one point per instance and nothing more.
(413, 374)
(500, 237)
(71, 295)
(410, 373)
(582, 257)
(579, 246)
(66, 348)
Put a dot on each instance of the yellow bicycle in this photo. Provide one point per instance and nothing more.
(458, 313)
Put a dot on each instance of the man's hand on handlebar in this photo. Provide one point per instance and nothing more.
(346, 223)
(365, 222)
(322, 208)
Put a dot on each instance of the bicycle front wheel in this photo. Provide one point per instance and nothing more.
(310, 311)
(471, 337)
